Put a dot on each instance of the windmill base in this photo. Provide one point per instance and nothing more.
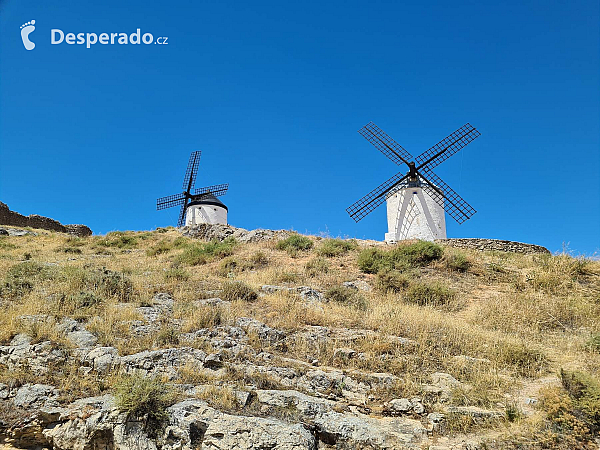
(413, 214)
(205, 213)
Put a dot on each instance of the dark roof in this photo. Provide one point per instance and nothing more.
(208, 199)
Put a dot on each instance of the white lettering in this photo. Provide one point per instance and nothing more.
(122, 38)
(150, 38)
(80, 38)
(91, 38)
(135, 35)
(103, 39)
(112, 37)
(53, 38)
(70, 39)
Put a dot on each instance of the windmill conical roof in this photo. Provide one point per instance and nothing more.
(208, 199)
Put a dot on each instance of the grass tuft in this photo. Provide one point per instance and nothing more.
(294, 244)
(238, 290)
(336, 247)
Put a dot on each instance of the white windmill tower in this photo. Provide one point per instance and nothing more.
(202, 206)
(416, 201)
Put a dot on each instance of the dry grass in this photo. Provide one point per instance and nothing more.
(527, 315)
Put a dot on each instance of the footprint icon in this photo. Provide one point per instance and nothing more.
(26, 29)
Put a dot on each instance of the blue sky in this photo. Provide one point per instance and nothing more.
(273, 93)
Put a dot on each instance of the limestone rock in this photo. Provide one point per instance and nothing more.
(359, 285)
(264, 332)
(249, 433)
(35, 396)
(163, 362)
(102, 359)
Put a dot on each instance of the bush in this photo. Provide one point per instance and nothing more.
(457, 261)
(372, 260)
(259, 259)
(167, 336)
(316, 266)
(84, 299)
(228, 266)
(4, 244)
(336, 247)
(112, 284)
(593, 343)
(346, 296)
(392, 281)
(163, 246)
(434, 294)
(585, 392)
(73, 250)
(400, 258)
(238, 290)
(294, 244)
(194, 255)
(118, 239)
(420, 253)
(21, 278)
(176, 273)
(141, 396)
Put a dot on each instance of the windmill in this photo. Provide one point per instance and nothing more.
(416, 201)
(202, 206)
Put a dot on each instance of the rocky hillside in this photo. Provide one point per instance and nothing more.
(220, 338)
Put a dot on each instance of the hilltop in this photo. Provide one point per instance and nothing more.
(217, 339)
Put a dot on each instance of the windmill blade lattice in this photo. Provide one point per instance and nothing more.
(170, 200)
(420, 172)
(385, 144)
(456, 206)
(217, 190)
(447, 147)
(373, 199)
(189, 179)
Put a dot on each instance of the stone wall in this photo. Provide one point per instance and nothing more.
(493, 244)
(8, 217)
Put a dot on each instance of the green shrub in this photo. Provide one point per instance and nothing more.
(5, 244)
(402, 257)
(593, 343)
(176, 273)
(434, 294)
(372, 260)
(163, 246)
(294, 244)
(259, 259)
(21, 278)
(196, 254)
(316, 266)
(238, 290)
(228, 266)
(141, 396)
(585, 392)
(457, 261)
(336, 247)
(112, 284)
(392, 281)
(346, 296)
(118, 239)
(420, 253)
(102, 282)
(73, 250)
(167, 336)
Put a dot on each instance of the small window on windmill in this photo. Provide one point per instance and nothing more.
(415, 192)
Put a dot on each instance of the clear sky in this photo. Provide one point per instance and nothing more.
(273, 93)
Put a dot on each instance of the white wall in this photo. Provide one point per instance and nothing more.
(413, 214)
(212, 214)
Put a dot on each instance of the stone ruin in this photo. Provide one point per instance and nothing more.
(8, 217)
